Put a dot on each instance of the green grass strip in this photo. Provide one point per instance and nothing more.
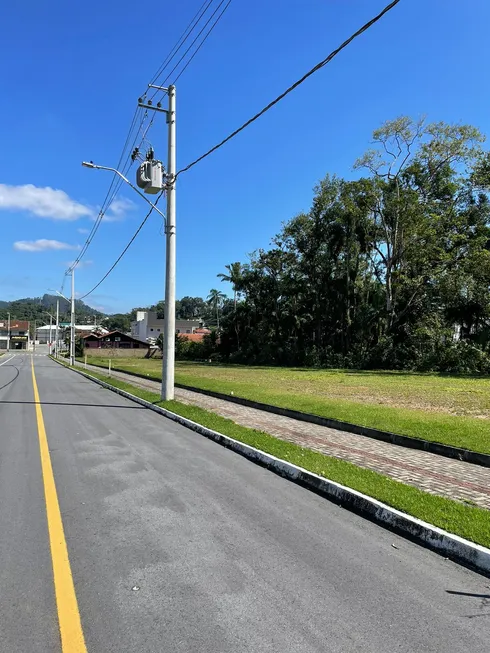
(458, 431)
(470, 522)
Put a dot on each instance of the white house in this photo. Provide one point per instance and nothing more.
(147, 326)
(47, 333)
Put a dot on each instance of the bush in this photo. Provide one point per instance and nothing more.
(464, 357)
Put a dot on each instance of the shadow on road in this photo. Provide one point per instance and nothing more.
(71, 404)
(484, 603)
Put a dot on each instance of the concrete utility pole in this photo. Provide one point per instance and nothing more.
(56, 333)
(8, 331)
(72, 319)
(72, 323)
(50, 332)
(168, 364)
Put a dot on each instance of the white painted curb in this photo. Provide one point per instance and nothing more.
(447, 544)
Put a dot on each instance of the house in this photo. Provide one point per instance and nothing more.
(147, 326)
(44, 333)
(113, 340)
(196, 336)
(18, 336)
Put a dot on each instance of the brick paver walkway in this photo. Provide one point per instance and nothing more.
(430, 472)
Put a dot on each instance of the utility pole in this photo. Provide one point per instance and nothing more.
(168, 364)
(50, 332)
(8, 331)
(56, 335)
(152, 186)
(72, 321)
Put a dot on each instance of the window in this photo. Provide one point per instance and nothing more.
(117, 339)
(158, 329)
(151, 329)
(178, 331)
(187, 330)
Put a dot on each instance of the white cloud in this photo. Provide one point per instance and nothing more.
(83, 231)
(80, 264)
(118, 209)
(43, 202)
(42, 245)
(121, 205)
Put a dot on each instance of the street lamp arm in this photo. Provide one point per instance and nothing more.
(89, 164)
(65, 298)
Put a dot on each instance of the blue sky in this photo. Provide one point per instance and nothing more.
(71, 75)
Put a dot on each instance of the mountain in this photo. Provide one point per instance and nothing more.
(38, 309)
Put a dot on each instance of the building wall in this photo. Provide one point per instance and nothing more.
(117, 353)
(147, 325)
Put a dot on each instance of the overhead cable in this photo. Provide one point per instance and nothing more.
(319, 65)
(133, 238)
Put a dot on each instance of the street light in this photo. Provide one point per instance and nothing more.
(168, 362)
(90, 164)
(56, 338)
(72, 318)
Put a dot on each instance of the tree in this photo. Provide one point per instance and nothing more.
(234, 277)
(190, 308)
(118, 322)
(412, 189)
(215, 299)
(389, 270)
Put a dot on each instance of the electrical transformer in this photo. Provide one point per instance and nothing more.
(149, 177)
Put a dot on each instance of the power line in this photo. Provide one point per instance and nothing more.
(321, 64)
(116, 181)
(193, 42)
(109, 198)
(203, 41)
(187, 32)
(133, 238)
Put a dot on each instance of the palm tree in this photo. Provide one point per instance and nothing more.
(215, 299)
(234, 277)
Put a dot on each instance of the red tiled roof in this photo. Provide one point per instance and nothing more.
(21, 325)
(194, 337)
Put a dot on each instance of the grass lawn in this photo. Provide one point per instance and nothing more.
(467, 521)
(448, 409)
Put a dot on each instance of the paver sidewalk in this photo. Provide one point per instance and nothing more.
(430, 472)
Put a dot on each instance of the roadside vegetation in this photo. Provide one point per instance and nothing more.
(448, 409)
(459, 518)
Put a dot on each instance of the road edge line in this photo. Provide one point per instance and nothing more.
(69, 621)
(432, 537)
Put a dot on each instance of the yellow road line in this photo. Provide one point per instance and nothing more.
(72, 639)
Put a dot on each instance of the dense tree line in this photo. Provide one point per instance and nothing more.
(391, 270)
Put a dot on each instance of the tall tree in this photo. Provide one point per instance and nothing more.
(215, 299)
(234, 276)
(390, 270)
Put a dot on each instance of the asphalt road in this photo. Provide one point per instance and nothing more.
(177, 544)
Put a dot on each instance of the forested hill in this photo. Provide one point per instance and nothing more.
(37, 308)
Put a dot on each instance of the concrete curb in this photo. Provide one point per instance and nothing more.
(446, 450)
(446, 544)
